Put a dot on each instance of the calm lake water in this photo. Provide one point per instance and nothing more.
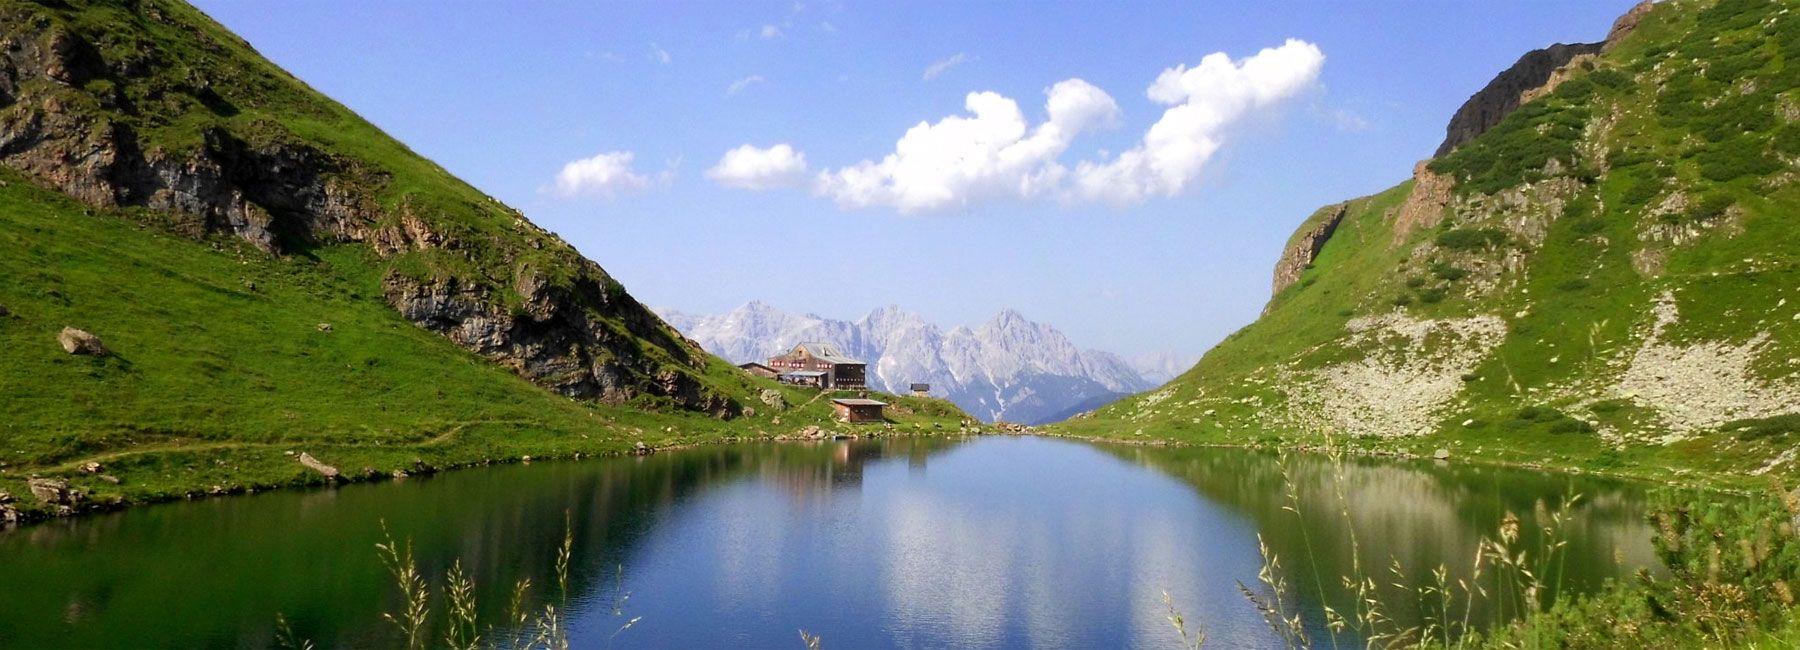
(911, 543)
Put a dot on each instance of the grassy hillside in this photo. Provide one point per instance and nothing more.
(153, 105)
(1607, 279)
(220, 368)
(273, 275)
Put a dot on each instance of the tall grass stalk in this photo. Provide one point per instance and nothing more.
(1524, 582)
(1189, 640)
(462, 627)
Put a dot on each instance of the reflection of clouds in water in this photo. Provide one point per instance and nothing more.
(749, 536)
(947, 571)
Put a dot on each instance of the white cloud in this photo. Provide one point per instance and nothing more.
(769, 32)
(750, 168)
(944, 65)
(605, 176)
(1344, 119)
(988, 154)
(739, 85)
(658, 54)
(827, 27)
(1205, 101)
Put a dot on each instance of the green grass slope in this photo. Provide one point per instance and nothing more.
(1609, 279)
(153, 104)
(305, 283)
(221, 373)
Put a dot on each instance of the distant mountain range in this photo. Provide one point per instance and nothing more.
(1010, 368)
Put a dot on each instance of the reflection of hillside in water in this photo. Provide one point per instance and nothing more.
(108, 577)
(814, 470)
(1413, 515)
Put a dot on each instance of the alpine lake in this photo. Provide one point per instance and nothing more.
(927, 542)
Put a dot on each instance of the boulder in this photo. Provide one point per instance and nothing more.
(324, 327)
(76, 341)
(1441, 454)
(314, 465)
(90, 467)
(52, 491)
(772, 398)
(640, 449)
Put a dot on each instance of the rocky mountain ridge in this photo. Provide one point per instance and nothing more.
(1009, 368)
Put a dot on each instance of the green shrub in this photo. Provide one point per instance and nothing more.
(1433, 295)
(1609, 406)
(1570, 425)
(1772, 428)
(1538, 413)
(1467, 239)
(1609, 78)
(1576, 284)
(1517, 149)
(1740, 157)
(1639, 193)
(1587, 226)
(1710, 206)
(1447, 273)
(1415, 282)
(1787, 138)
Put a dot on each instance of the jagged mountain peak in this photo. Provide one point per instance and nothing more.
(1010, 367)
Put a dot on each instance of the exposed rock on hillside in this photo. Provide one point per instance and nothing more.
(1412, 368)
(1305, 245)
(1424, 206)
(1532, 76)
(1700, 384)
(195, 126)
(1489, 105)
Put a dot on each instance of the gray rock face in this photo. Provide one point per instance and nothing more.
(1526, 79)
(1009, 369)
(76, 341)
(580, 334)
(52, 491)
(1501, 96)
(1305, 245)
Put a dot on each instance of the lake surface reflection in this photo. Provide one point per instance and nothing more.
(927, 542)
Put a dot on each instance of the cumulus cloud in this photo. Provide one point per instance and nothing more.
(750, 168)
(990, 153)
(1204, 101)
(604, 176)
(739, 85)
(944, 65)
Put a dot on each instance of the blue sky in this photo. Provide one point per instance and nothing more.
(1132, 258)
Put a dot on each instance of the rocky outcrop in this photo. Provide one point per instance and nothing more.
(1424, 206)
(1305, 245)
(1533, 75)
(480, 274)
(1501, 96)
(1626, 24)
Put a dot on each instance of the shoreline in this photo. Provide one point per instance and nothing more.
(14, 518)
